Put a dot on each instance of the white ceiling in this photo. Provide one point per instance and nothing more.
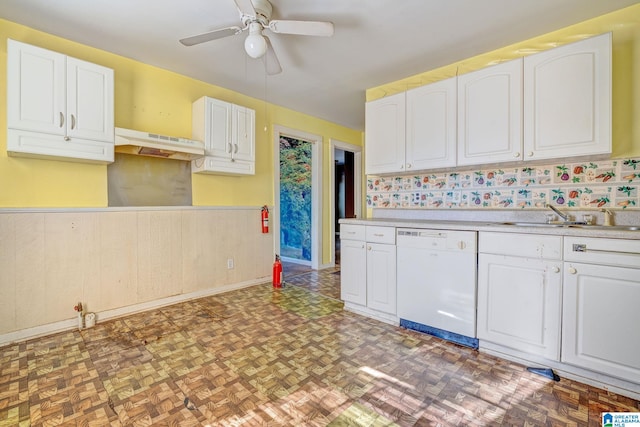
(375, 41)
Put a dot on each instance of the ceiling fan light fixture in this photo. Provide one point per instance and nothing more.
(255, 45)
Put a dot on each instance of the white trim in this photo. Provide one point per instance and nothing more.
(357, 186)
(316, 189)
(69, 324)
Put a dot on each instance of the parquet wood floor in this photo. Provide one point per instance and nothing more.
(289, 357)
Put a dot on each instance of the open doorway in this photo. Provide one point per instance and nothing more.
(346, 188)
(297, 219)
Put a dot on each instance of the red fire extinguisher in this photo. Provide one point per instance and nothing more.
(277, 273)
(265, 219)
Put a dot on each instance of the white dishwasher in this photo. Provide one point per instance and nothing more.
(436, 283)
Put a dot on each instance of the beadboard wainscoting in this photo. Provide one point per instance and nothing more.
(120, 261)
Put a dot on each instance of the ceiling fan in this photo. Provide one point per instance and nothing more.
(255, 16)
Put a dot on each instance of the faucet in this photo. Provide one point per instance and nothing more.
(565, 217)
(608, 216)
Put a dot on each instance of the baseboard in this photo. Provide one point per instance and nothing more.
(101, 316)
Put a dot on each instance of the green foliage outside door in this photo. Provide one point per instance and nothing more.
(295, 198)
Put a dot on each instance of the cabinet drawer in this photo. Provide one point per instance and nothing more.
(376, 234)
(352, 232)
(592, 250)
(521, 245)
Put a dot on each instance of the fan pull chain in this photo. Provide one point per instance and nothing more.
(265, 100)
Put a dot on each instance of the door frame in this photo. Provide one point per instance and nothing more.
(316, 190)
(357, 186)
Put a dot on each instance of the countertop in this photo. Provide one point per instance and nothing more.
(596, 231)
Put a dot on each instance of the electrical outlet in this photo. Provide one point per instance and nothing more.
(230, 263)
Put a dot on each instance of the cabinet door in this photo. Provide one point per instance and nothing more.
(431, 126)
(217, 123)
(567, 100)
(36, 94)
(385, 135)
(243, 134)
(600, 319)
(89, 101)
(353, 271)
(381, 277)
(490, 114)
(519, 303)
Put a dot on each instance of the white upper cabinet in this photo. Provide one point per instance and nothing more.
(431, 126)
(567, 100)
(385, 135)
(228, 133)
(490, 114)
(58, 106)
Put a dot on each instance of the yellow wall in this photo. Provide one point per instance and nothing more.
(625, 26)
(151, 99)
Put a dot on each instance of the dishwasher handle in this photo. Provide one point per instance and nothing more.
(422, 233)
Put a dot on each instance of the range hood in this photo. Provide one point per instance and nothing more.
(130, 141)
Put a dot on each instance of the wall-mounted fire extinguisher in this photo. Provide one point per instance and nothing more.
(265, 219)
(277, 273)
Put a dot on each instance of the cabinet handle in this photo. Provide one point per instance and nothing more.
(229, 147)
(61, 119)
(516, 155)
(408, 165)
(236, 148)
(572, 270)
(530, 154)
(462, 244)
(66, 138)
(556, 269)
(73, 121)
(369, 248)
(378, 234)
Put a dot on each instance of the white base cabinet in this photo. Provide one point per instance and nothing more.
(381, 277)
(600, 306)
(353, 267)
(520, 292)
(368, 270)
(58, 107)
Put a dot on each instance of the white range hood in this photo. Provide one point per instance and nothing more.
(130, 141)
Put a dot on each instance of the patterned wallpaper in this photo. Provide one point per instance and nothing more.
(598, 184)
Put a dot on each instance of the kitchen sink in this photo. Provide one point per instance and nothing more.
(572, 225)
(608, 227)
(533, 224)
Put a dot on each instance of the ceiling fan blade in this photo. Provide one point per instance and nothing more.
(211, 35)
(245, 7)
(271, 63)
(304, 28)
